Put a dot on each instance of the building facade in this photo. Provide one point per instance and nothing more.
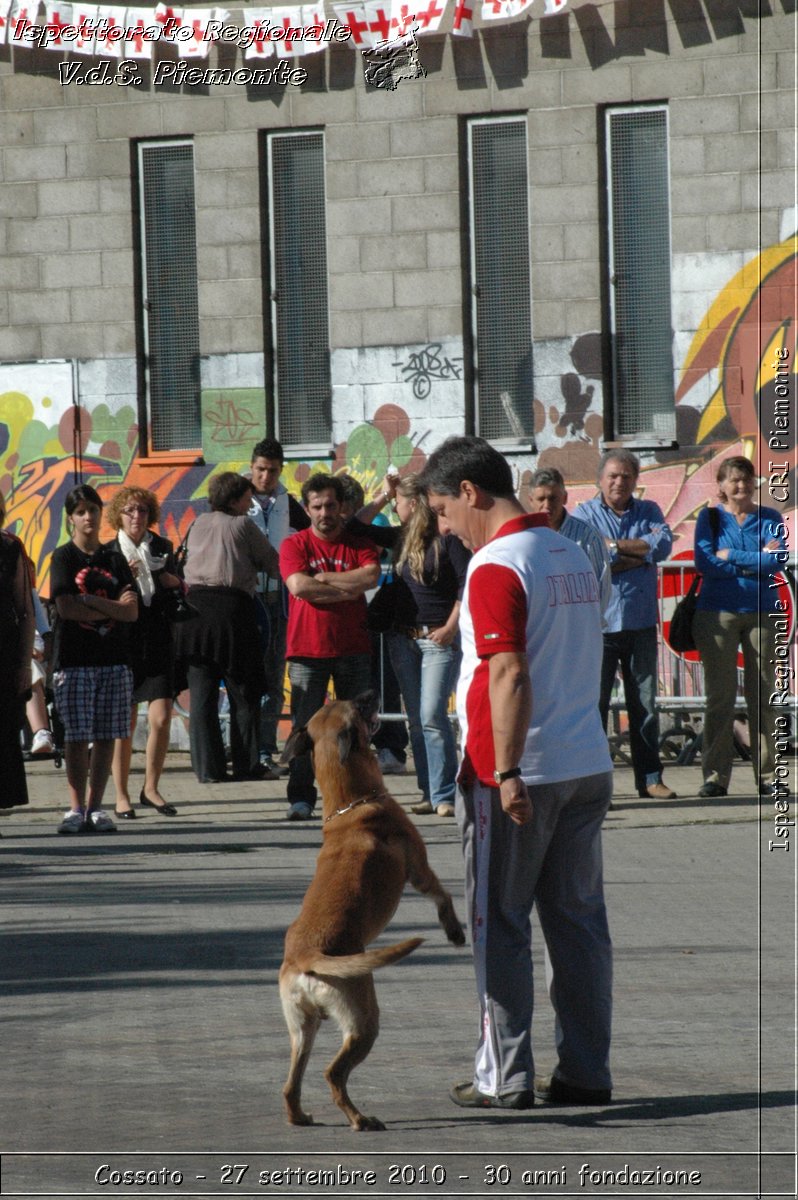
(572, 231)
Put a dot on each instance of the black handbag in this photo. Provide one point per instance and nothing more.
(176, 607)
(680, 635)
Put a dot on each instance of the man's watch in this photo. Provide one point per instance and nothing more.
(500, 776)
(613, 547)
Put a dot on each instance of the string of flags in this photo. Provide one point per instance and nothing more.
(286, 32)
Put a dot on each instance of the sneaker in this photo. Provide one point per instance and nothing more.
(389, 763)
(445, 810)
(300, 811)
(467, 1096)
(557, 1091)
(711, 791)
(73, 822)
(42, 742)
(421, 810)
(99, 822)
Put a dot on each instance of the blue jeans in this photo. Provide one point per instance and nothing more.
(427, 674)
(636, 651)
(309, 677)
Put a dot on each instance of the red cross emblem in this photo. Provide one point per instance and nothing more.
(357, 27)
(380, 24)
(170, 20)
(429, 14)
(462, 14)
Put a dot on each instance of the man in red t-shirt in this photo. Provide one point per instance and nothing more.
(327, 573)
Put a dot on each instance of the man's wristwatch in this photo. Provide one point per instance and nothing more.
(500, 776)
(613, 547)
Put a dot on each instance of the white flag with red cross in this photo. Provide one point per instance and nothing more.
(463, 18)
(197, 19)
(137, 20)
(391, 21)
(109, 34)
(353, 16)
(84, 18)
(256, 24)
(288, 33)
(170, 20)
(553, 6)
(429, 14)
(497, 10)
(18, 20)
(3, 23)
(56, 17)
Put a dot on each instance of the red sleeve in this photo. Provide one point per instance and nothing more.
(498, 606)
(293, 555)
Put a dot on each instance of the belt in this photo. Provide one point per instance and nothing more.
(417, 631)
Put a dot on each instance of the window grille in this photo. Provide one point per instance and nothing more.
(169, 301)
(500, 278)
(299, 308)
(640, 273)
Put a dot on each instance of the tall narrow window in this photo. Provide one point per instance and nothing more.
(638, 189)
(300, 331)
(501, 307)
(169, 299)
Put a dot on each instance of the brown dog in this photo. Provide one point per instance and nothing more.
(370, 851)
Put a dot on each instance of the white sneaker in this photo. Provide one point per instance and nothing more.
(73, 822)
(42, 742)
(100, 821)
(389, 763)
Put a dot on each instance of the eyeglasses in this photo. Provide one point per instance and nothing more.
(131, 512)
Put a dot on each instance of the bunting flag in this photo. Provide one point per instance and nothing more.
(289, 31)
(257, 32)
(354, 18)
(3, 24)
(19, 19)
(497, 10)
(56, 17)
(463, 19)
(429, 14)
(198, 45)
(170, 20)
(553, 6)
(137, 22)
(109, 32)
(390, 21)
(84, 17)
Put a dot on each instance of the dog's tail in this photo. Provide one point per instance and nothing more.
(351, 966)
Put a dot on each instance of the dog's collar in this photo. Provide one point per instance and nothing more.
(339, 812)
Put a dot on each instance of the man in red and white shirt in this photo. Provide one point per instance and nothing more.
(327, 572)
(535, 783)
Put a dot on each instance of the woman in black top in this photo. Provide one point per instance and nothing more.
(131, 512)
(424, 642)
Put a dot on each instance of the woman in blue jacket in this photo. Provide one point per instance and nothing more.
(737, 607)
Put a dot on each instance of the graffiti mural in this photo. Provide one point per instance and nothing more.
(735, 393)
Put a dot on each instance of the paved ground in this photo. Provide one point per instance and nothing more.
(143, 1030)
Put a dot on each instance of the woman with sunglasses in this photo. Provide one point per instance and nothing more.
(131, 512)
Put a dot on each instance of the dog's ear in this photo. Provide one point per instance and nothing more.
(346, 742)
(300, 742)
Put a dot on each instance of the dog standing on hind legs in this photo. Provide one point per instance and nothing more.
(370, 850)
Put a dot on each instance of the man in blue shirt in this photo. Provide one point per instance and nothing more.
(637, 538)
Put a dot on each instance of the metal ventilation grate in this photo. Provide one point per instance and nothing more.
(640, 271)
(501, 309)
(300, 319)
(171, 316)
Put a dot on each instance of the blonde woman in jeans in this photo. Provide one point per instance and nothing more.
(734, 610)
(424, 642)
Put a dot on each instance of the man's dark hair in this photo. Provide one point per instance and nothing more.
(546, 477)
(322, 483)
(225, 489)
(84, 493)
(472, 458)
(268, 448)
(354, 495)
